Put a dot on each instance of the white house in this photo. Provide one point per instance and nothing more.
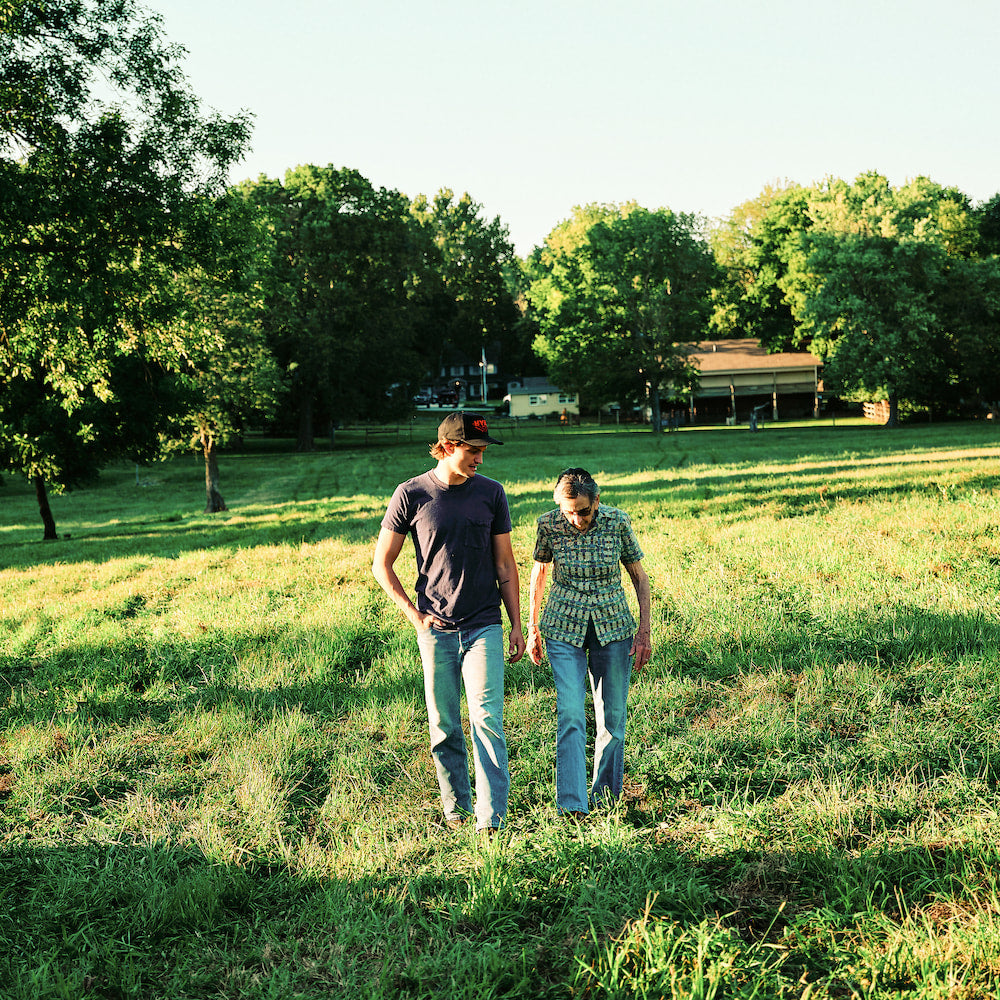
(537, 395)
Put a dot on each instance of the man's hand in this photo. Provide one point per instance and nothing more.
(516, 648)
(425, 621)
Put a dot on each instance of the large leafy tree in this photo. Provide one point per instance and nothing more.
(970, 304)
(109, 179)
(229, 376)
(620, 292)
(751, 247)
(873, 315)
(339, 297)
(868, 284)
(988, 215)
(471, 275)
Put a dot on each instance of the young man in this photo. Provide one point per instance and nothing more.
(460, 525)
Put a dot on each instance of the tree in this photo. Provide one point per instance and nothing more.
(970, 306)
(109, 179)
(752, 249)
(472, 274)
(871, 314)
(988, 215)
(867, 280)
(50, 442)
(920, 209)
(229, 375)
(339, 296)
(620, 292)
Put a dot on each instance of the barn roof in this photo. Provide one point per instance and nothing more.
(747, 356)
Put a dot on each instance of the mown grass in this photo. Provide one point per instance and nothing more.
(214, 776)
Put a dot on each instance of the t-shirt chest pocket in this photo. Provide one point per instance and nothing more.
(477, 535)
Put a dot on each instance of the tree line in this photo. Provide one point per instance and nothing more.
(148, 305)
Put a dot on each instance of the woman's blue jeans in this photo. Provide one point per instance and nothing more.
(475, 657)
(610, 669)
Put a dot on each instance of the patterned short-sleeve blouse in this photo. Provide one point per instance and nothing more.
(587, 575)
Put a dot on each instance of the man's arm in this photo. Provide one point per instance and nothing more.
(387, 549)
(642, 648)
(510, 592)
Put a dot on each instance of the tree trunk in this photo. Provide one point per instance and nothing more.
(45, 510)
(655, 414)
(214, 502)
(306, 440)
(893, 420)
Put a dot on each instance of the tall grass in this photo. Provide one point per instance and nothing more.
(214, 774)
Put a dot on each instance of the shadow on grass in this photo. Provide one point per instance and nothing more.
(170, 538)
(833, 459)
(797, 491)
(823, 694)
(163, 920)
(793, 639)
(344, 667)
(352, 662)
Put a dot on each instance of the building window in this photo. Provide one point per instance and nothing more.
(567, 397)
(538, 400)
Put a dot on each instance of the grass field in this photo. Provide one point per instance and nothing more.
(214, 774)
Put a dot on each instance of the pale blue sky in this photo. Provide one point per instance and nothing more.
(536, 106)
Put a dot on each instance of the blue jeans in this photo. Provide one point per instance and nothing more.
(610, 669)
(475, 656)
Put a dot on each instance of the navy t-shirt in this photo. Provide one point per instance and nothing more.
(452, 528)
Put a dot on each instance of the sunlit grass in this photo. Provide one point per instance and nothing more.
(214, 777)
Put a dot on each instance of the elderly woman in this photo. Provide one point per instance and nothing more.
(588, 627)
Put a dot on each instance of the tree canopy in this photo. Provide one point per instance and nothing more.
(870, 277)
(337, 299)
(620, 292)
(110, 180)
(470, 283)
(229, 376)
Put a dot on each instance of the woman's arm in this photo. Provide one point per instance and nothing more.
(539, 573)
(642, 648)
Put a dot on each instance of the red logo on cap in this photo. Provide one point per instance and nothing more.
(480, 425)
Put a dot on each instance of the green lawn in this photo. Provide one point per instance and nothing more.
(214, 774)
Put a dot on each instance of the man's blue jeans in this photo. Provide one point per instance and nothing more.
(610, 669)
(476, 657)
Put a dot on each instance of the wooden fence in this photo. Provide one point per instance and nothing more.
(394, 433)
(878, 412)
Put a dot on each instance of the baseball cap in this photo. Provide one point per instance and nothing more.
(468, 427)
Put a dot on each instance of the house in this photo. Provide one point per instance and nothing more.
(737, 377)
(537, 396)
(463, 377)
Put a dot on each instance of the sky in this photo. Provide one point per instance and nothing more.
(536, 106)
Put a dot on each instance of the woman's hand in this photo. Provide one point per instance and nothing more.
(536, 649)
(642, 649)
